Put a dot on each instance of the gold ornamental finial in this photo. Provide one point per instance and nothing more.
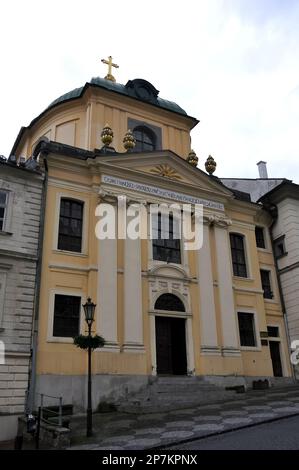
(192, 158)
(110, 64)
(129, 140)
(210, 165)
(107, 135)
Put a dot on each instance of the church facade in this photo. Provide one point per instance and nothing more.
(161, 309)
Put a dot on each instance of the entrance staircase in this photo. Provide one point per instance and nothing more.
(173, 393)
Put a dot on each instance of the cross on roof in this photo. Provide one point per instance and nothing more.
(110, 64)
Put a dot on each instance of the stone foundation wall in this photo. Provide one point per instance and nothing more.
(73, 389)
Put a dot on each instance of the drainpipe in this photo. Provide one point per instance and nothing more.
(30, 400)
(273, 211)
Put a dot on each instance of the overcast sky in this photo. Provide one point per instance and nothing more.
(233, 64)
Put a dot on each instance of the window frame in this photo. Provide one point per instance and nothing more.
(3, 283)
(145, 131)
(181, 309)
(155, 130)
(271, 297)
(52, 294)
(257, 346)
(70, 238)
(179, 241)
(85, 222)
(246, 264)
(277, 240)
(277, 337)
(263, 237)
(7, 211)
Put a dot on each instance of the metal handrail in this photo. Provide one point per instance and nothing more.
(42, 408)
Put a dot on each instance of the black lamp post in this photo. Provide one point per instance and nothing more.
(89, 309)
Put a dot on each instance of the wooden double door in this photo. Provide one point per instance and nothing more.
(171, 346)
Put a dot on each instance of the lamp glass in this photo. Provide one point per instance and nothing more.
(89, 309)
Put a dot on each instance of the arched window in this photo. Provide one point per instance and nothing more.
(169, 302)
(238, 254)
(145, 139)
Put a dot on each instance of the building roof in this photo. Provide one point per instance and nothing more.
(285, 189)
(29, 166)
(142, 90)
(256, 187)
(137, 89)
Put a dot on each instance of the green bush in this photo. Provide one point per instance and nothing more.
(83, 342)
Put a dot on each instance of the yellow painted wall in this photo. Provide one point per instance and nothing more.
(61, 358)
(80, 122)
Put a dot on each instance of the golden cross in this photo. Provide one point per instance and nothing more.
(110, 64)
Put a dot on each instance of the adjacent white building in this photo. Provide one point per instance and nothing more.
(281, 198)
(20, 207)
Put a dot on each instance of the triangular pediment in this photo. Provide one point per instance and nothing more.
(168, 169)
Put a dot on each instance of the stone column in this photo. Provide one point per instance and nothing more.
(107, 292)
(208, 330)
(227, 306)
(133, 316)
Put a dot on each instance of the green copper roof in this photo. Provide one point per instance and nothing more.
(124, 90)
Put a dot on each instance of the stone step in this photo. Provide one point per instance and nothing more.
(193, 387)
(179, 379)
(153, 406)
(171, 393)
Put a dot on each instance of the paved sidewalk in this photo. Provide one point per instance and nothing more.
(120, 431)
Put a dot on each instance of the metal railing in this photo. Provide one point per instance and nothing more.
(50, 411)
(45, 409)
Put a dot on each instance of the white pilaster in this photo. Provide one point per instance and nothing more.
(208, 330)
(189, 347)
(227, 306)
(133, 341)
(107, 293)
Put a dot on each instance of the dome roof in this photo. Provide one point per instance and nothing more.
(138, 89)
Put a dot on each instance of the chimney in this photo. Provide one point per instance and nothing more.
(262, 166)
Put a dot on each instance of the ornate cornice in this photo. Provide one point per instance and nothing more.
(217, 220)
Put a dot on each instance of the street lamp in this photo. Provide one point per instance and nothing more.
(89, 309)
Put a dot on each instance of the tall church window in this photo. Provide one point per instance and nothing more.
(166, 238)
(238, 255)
(145, 139)
(3, 208)
(247, 329)
(70, 225)
(66, 322)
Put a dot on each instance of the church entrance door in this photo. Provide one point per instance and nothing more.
(171, 346)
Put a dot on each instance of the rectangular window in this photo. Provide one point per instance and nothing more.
(246, 329)
(3, 208)
(279, 247)
(273, 331)
(166, 239)
(238, 255)
(259, 237)
(66, 322)
(266, 284)
(70, 225)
